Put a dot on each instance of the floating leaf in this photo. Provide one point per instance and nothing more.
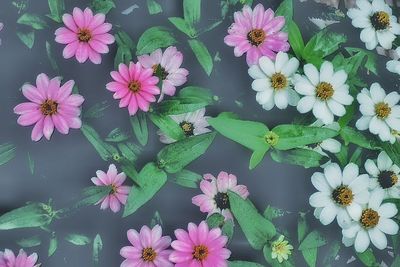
(303, 157)
(56, 10)
(31, 164)
(154, 38)
(139, 125)
(180, 105)
(51, 57)
(97, 247)
(102, 6)
(106, 151)
(27, 38)
(29, 242)
(33, 21)
(53, 244)
(285, 9)
(187, 178)
(333, 251)
(312, 240)
(350, 135)
(78, 239)
(129, 151)
(310, 256)
(302, 227)
(243, 264)
(368, 258)
(7, 153)
(97, 110)
(295, 39)
(183, 26)
(215, 220)
(192, 11)
(167, 126)
(154, 7)
(31, 215)
(202, 55)
(125, 47)
(156, 220)
(271, 213)
(117, 135)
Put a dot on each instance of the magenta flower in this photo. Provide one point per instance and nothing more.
(166, 66)
(118, 194)
(149, 248)
(200, 247)
(215, 198)
(86, 35)
(257, 33)
(8, 259)
(135, 86)
(51, 105)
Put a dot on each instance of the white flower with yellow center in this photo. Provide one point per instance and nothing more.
(273, 81)
(325, 92)
(340, 194)
(380, 112)
(378, 24)
(375, 221)
(281, 249)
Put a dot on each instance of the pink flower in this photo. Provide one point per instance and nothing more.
(200, 247)
(51, 105)
(8, 259)
(257, 33)
(85, 35)
(119, 193)
(149, 248)
(167, 68)
(135, 86)
(215, 198)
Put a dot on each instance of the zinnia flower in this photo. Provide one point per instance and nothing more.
(135, 86)
(215, 197)
(325, 92)
(273, 81)
(380, 112)
(377, 22)
(192, 123)
(149, 248)
(118, 194)
(85, 35)
(341, 194)
(257, 33)
(375, 221)
(281, 249)
(167, 67)
(51, 105)
(8, 259)
(200, 247)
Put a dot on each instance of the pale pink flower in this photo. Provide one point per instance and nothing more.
(200, 247)
(118, 194)
(86, 35)
(167, 67)
(135, 86)
(50, 105)
(257, 33)
(215, 194)
(8, 259)
(149, 248)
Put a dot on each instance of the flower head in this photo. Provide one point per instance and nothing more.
(191, 123)
(273, 81)
(8, 259)
(149, 248)
(325, 92)
(135, 86)
(167, 67)
(281, 249)
(200, 246)
(257, 33)
(86, 35)
(215, 197)
(378, 24)
(118, 194)
(50, 105)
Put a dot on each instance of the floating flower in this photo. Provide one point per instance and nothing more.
(377, 22)
(200, 247)
(8, 259)
(257, 33)
(149, 248)
(340, 195)
(375, 221)
(394, 65)
(380, 112)
(135, 86)
(325, 92)
(86, 35)
(281, 249)
(118, 194)
(385, 175)
(273, 81)
(191, 123)
(167, 67)
(51, 105)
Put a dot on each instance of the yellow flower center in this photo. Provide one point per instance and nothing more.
(369, 218)
(324, 91)
(200, 252)
(382, 110)
(342, 195)
(256, 36)
(271, 138)
(49, 107)
(159, 72)
(278, 81)
(149, 254)
(84, 35)
(187, 128)
(380, 20)
(134, 86)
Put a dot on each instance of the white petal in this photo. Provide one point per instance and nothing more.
(322, 112)
(362, 241)
(362, 197)
(319, 200)
(336, 108)
(333, 175)
(354, 211)
(385, 39)
(338, 78)
(312, 73)
(328, 214)
(376, 125)
(343, 218)
(267, 66)
(371, 167)
(367, 35)
(293, 97)
(377, 93)
(331, 145)
(387, 210)
(256, 73)
(365, 99)
(290, 67)
(281, 99)
(260, 84)
(376, 199)
(377, 238)
(388, 226)
(269, 104)
(319, 182)
(367, 110)
(394, 123)
(363, 123)
(326, 72)
(304, 87)
(281, 59)
(264, 96)
(392, 99)
(360, 183)
(306, 104)
(350, 172)
(384, 162)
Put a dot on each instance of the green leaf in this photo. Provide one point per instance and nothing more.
(197, 93)
(51, 57)
(312, 240)
(215, 220)
(33, 21)
(56, 10)
(102, 6)
(228, 228)
(97, 247)
(187, 178)
(150, 180)
(124, 51)
(295, 39)
(29, 242)
(350, 111)
(271, 213)
(243, 264)
(333, 251)
(310, 256)
(180, 105)
(174, 157)
(53, 244)
(78, 239)
(302, 227)
(370, 59)
(31, 164)
(192, 11)
(202, 55)
(396, 262)
(7, 153)
(106, 151)
(183, 26)
(393, 151)
(356, 157)
(123, 39)
(257, 156)
(154, 38)
(30, 215)
(307, 158)
(153, 7)
(285, 9)
(139, 125)
(117, 135)
(368, 258)
(129, 151)
(168, 126)
(350, 135)
(256, 228)
(27, 38)
(96, 111)
(156, 220)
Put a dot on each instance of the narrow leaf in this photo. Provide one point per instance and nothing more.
(202, 55)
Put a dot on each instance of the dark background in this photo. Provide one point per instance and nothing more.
(64, 165)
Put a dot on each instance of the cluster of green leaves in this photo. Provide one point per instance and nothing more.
(7, 152)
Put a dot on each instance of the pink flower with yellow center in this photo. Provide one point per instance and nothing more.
(8, 259)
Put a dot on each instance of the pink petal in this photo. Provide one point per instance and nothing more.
(104, 28)
(78, 17)
(94, 57)
(117, 77)
(105, 38)
(65, 36)
(48, 127)
(96, 21)
(29, 118)
(124, 71)
(65, 90)
(88, 16)
(98, 46)
(133, 105)
(82, 53)
(61, 124)
(74, 100)
(69, 22)
(26, 107)
(37, 131)
(70, 50)
(142, 103)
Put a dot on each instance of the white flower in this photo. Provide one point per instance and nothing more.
(340, 195)
(377, 22)
(331, 145)
(394, 65)
(380, 114)
(325, 92)
(373, 224)
(273, 81)
(385, 175)
(192, 123)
